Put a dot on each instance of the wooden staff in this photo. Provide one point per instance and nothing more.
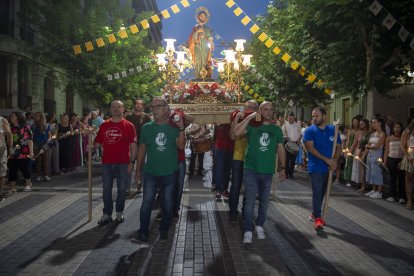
(90, 176)
(328, 188)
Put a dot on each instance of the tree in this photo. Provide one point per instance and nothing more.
(66, 23)
(343, 43)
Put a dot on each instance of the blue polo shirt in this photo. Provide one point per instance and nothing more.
(322, 142)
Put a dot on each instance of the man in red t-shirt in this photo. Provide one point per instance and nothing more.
(118, 138)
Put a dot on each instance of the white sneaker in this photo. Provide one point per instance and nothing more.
(370, 193)
(390, 199)
(401, 201)
(373, 195)
(348, 184)
(260, 233)
(38, 179)
(247, 238)
(47, 178)
(27, 188)
(379, 195)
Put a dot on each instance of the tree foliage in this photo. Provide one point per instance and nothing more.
(66, 23)
(340, 41)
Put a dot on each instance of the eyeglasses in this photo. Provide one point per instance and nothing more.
(158, 106)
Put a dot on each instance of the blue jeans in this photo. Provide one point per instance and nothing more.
(319, 182)
(179, 185)
(166, 186)
(236, 183)
(256, 183)
(222, 163)
(109, 172)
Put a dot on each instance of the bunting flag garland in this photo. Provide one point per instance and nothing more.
(126, 73)
(389, 21)
(133, 29)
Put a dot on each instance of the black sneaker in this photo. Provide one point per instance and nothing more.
(140, 238)
(104, 221)
(232, 218)
(163, 236)
(218, 195)
(119, 218)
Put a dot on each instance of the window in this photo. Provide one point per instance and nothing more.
(5, 22)
(5, 97)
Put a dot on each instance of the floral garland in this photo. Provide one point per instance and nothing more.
(188, 93)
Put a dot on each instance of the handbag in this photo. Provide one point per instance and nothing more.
(292, 147)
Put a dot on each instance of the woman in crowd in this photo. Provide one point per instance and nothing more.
(349, 159)
(358, 146)
(375, 150)
(21, 152)
(76, 141)
(41, 137)
(53, 145)
(407, 164)
(64, 135)
(392, 157)
(343, 136)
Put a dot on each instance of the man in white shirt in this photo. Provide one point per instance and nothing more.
(292, 133)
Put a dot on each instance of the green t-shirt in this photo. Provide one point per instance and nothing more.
(161, 146)
(262, 144)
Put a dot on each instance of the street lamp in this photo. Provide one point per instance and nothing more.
(171, 64)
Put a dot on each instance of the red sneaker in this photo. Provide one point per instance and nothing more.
(225, 193)
(319, 223)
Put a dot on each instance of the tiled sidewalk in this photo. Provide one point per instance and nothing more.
(46, 232)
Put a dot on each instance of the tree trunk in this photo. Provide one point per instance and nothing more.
(369, 104)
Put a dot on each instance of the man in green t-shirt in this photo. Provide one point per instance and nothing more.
(159, 142)
(263, 142)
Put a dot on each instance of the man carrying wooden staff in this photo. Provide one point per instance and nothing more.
(319, 140)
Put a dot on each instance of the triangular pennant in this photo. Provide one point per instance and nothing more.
(100, 42)
(124, 74)
(246, 87)
(77, 49)
(302, 71)
(230, 3)
(276, 50)
(238, 11)
(375, 7)
(403, 34)
(111, 38)
(245, 20)
(320, 83)
(262, 37)
(328, 91)
(123, 34)
(165, 14)
(254, 29)
(155, 18)
(109, 77)
(294, 65)
(311, 78)
(251, 91)
(185, 3)
(145, 24)
(175, 8)
(116, 76)
(131, 71)
(389, 21)
(89, 46)
(139, 69)
(134, 28)
(286, 57)
(269, 43)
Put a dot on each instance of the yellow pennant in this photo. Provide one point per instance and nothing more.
(77, 49)
(123, 34)
(145, 24)
(320, 83)
(238, 11)
(311, 78)
(286, 57)
(159, 80)
(246, 87)
(134, 28)
(251, 91)
(294, 65)
(302, 71)
(328, 91)
(230, 3)
(245, 20)
(276, 50)
(175, 8)
(100, 42)
(111, 38)
(262, 37)
(269, 43)
(261, 99)
(254, 29)
(242, 83)
(155, 18)
(165, 14)
(256, 95)
(185, 3)
(89, 46)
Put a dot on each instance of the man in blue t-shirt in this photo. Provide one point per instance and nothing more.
(319, 140)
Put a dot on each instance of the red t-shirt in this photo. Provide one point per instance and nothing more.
(223, 140)
(181, 155)
(115, 137)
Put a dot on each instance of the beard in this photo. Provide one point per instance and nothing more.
(318, 123)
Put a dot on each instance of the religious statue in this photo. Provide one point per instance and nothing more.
(201, 45)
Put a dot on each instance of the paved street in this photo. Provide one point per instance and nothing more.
(46, 232)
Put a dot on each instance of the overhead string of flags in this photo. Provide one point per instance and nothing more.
(100, 42)
(270, 43)
(390, 21)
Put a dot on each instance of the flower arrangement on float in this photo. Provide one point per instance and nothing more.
(196, 92)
